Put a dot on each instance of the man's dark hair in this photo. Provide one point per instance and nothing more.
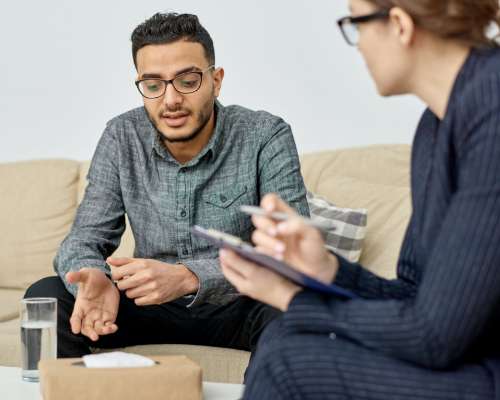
(163, 28)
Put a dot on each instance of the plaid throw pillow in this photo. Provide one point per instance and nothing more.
(348, 226)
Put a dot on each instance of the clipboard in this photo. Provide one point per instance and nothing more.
(248, 252)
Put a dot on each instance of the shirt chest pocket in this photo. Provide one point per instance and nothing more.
(222, 210)
(226, 197)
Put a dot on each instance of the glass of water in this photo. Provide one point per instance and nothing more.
(38, 334)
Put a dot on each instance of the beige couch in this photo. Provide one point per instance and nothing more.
(38, 200)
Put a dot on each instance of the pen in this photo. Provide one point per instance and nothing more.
(281, 216)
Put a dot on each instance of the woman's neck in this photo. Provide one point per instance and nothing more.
(437, 66)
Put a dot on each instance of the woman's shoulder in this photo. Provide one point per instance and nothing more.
(481, 73)
(475, 114)
(487, 60)
(477, 91)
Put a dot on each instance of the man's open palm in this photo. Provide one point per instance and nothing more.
(96, 304)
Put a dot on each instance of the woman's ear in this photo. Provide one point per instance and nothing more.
(402, 26)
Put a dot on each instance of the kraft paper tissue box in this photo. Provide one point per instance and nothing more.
(173, 377)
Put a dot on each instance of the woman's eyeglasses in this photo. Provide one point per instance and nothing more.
(349, 25)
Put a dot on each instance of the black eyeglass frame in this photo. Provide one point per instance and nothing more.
(171, 81)
(360, 20)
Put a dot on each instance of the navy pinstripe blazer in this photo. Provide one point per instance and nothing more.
(443, 309)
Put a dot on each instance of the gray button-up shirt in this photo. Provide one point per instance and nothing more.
(249, 154)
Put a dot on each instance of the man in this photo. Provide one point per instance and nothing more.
(180, 160)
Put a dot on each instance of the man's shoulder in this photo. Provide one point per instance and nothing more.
(134, 117)
(131, 126)
(260, 118)
(254, 126)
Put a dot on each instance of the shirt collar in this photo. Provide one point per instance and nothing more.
(212, 148)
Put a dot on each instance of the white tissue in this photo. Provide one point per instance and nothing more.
(116, 359)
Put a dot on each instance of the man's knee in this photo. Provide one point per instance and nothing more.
(275, 329)
(51, 286)
(259, 318)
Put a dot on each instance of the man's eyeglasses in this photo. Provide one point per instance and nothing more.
(349, 25)
(188, 82)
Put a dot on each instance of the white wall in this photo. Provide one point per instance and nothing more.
(66, 69)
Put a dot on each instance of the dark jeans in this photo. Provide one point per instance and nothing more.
(235, 325)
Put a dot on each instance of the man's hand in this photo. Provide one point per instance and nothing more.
(96, 304)
(152, 282)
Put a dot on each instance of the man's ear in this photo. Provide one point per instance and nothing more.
(218, 75)
(402, 25)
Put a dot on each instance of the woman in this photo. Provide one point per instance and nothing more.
(434, 332)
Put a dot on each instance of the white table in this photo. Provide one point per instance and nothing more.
(12, 387)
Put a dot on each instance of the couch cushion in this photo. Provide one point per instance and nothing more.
(38, 201)
(218, 364)
(9, 303)
(375, 178)
(127, 245)
(10, 343)
(344, 228)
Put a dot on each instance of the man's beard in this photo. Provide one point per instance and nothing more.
(203, 118)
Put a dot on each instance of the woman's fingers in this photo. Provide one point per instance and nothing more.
(240, 272)
(270, 253)
(233, 276)
(272, 245)
(232, 260)
(272, 202)
(265, 224)
(295, 227)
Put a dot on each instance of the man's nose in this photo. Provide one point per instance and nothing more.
(172, 97)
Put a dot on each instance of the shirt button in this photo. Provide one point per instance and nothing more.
(223, 198)
(332, 335)
(183, 213)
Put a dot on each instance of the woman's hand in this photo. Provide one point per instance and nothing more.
(293, 241)
(257, 282)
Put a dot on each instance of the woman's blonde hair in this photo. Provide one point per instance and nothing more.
(464, 20)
